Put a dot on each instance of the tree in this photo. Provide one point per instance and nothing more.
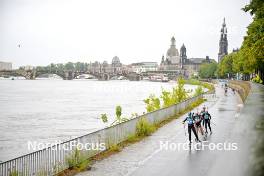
(225, 67)
(208, 70)
(152, 102)
(118, 113)
(69, 66)
(52, 68)
(198, 91)
(166, 97)
(179, 93)
(78, 66)
(253, 44)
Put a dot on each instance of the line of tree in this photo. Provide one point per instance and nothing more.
(208, 70)
(249, 60)
(60, 68)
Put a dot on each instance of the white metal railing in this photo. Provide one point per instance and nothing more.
(52, 160)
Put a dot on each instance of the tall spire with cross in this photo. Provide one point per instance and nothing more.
(223, 43)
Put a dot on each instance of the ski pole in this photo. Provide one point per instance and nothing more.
(184, 129)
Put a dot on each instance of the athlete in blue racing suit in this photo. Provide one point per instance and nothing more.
(207, 118)
(190, 121)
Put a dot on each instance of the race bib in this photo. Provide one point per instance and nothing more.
(189, 121)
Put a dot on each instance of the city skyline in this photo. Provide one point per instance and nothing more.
(40, 33)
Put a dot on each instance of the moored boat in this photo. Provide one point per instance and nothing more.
(159, 78)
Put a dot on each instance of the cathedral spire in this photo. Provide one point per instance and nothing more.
(173, 41)
(183, 56)
(224, 24)
(223, 43)
(162, 60)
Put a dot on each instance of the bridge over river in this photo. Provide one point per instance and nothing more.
(66, 74)
(231, 124)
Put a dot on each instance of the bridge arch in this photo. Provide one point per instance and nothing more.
(47, 75)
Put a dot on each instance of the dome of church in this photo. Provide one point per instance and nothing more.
(115, 60)
(172, 51)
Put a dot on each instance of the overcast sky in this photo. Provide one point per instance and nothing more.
(59, 31)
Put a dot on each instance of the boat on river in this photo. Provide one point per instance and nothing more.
(159, 78)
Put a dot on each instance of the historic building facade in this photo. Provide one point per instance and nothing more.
(223, 43)
(172, 60)
(115, 67)
(142, 67)
(5, 66)
(179, 64)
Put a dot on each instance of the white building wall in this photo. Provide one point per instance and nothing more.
(5, 66)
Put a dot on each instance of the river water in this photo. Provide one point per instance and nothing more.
(59, 110)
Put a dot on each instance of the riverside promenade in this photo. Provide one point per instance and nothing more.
(232, 122)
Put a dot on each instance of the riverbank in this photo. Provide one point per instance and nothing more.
(137, 156)
(147, 157)
(148, 128)
(131, 139)
(115, 135)
(29, 108)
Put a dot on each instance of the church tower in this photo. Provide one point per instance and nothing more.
(173, 53)
(223, 44)
(183, 56)
(162, 60)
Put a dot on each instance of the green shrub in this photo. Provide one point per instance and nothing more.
(208, 86)
(198, 91)
(196, 103)
(257, 79)
(104, 118)
(42, 173)
(77, 160)
(115, 148)
(177, 95)
(118, 118)
(118, 113)
(132, 138)
(192, 81)
(153, 103)
(144, 128)
(14, 173)
(167, 99)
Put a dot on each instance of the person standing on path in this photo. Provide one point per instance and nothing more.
(202, 115)
(198, 121)
(207, 118)
(190, 121)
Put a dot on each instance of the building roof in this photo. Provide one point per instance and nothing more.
(144, 63)
(197, 60)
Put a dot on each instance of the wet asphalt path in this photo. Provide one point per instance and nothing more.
(147, 157)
